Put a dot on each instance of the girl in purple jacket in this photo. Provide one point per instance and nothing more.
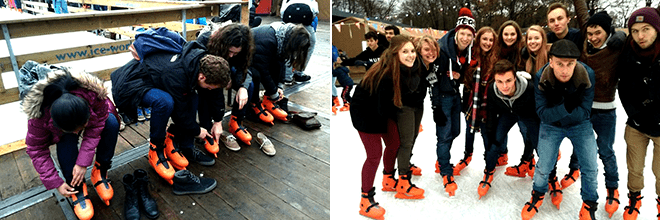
(61, 109)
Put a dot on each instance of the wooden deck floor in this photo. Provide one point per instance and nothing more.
(294, 184)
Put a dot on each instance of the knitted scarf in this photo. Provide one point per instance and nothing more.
(282, 32)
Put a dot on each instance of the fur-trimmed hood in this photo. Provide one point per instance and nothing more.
(580, 76)
(34, 98)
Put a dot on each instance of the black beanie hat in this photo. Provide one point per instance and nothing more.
(601, 19)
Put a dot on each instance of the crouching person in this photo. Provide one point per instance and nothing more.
(564, 91)
(60, 109)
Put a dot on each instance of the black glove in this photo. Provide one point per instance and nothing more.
(360, 63)
(574, 100)
(553, 95)
(524, 54)
(616, 41)
(439, 117)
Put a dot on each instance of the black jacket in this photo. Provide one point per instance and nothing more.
(368, 56)
(266, 62)
(370, 112)
(639, 91)
(447, 62)
(524, 106)
(414, 84)
(175, 74)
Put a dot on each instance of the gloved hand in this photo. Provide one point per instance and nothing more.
(616, 41)
(553, 95)
(573, 100)
(439, 117)
(360, 63)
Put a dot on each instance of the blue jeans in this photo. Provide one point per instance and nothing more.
(584, 142)
(529, 129)
(60, 7)
(67, 148)
(288, 73)
(451, 106)
(604, 122)
(162, 105)
(334, 87)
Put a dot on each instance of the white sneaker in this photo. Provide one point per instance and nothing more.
(230, 141)
(265, 144)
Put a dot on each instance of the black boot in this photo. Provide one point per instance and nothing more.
(131, 208)
(187, 183)
(147, 203)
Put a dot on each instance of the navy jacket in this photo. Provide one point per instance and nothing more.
(555, 113)
(639, 91)
(447, 62)
(266, 62)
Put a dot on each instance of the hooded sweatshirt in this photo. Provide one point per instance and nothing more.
(449, 61)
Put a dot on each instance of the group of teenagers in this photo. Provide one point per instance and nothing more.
(563, 90)
(179, 80)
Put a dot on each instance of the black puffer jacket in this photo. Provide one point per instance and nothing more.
(175, 74)
(266, 61)
(639, 91)
(523, 105)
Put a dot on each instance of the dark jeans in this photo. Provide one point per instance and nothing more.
(529, 129)
(240, 113)
(67, 148)
(604, 123)
(162, 105)
(469, 137)
(451, 106)
(408, 120)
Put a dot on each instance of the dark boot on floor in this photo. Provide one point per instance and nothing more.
(147, 203)
(187, 183)
(131, 207)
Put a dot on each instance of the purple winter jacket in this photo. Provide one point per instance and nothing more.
(41, 132)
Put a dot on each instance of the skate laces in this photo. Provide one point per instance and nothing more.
(535, 199)
(610, 196)
(370, 196)
(633, 203)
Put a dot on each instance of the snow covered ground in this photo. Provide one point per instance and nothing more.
(505, 199)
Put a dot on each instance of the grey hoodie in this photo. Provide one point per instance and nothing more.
(521, 86)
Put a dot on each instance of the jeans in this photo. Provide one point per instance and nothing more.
(60, 7)
(162, 105)
(288, 73)
(583, 139)
(451, 106)
(604, 122)
(240, 113)
(67, 148)
(529, 129)
(469, 137)
(334, 87)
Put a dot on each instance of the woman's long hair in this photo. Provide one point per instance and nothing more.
(482, 57)
(69, 112)
(388, 64)
(296, 47)
(532, 66)
(233, 35)
(513, 51)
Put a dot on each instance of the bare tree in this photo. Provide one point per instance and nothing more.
(368, 8)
